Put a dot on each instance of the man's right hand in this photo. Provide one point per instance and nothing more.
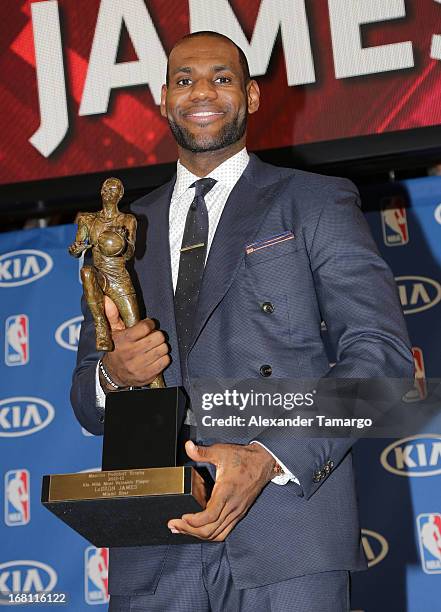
(140, 353)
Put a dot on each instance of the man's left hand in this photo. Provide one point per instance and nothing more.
(241, 474)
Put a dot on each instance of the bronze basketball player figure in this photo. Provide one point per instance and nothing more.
(111, 236)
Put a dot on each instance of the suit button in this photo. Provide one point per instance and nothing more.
(101, 419)
(328, 466)
(267, 307)
(317, 476)
(266, 370)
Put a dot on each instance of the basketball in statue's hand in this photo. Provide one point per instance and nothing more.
(111, 244)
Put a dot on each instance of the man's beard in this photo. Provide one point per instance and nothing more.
(228, 135)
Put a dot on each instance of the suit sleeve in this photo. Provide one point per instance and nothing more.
(83, 391)
(359, 302)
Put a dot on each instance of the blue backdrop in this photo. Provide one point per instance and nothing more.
(398, 480)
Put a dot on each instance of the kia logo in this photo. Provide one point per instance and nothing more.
(25, 576)
(418, 293)
(375, 546)
(23, 267)
(68, 333)
(22, 416)
(413, 456)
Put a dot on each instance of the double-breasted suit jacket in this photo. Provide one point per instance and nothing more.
(328, 271)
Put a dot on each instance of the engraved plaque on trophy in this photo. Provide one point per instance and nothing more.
(141, 486)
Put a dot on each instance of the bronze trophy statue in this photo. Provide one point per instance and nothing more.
(111, 236)
(142, 484)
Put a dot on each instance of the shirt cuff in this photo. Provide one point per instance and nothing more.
(99, 393)
(280, 479)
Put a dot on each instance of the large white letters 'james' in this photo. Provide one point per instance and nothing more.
(287, 15)
(350, 59)
(104, 74)
(50, 77)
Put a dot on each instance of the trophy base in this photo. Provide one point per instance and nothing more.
(124, 507)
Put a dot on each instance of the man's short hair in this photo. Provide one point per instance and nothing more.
(242, 57)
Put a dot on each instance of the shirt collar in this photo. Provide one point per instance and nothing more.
(228, 173)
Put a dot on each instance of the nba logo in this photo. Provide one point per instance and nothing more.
(394, 221)
(96, 571)
(17, 340)
(17, 506)
(429, 532)
(419, 392)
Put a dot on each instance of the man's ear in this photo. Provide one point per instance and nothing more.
(163, 97)
(253, 96)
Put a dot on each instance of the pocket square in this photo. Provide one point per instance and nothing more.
(268, 242)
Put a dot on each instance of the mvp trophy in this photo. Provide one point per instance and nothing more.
(140, 488)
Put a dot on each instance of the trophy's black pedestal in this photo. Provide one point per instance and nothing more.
(140, 488)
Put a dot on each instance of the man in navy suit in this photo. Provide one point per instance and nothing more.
(286, 250)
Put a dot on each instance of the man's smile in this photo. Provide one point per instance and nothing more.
(203, 116)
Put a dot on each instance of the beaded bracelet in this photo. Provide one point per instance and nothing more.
(106, 375)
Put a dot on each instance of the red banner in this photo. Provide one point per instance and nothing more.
(81, 79)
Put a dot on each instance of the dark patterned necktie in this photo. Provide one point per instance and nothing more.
(191, 263)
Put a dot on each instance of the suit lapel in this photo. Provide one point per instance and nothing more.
(242, 215)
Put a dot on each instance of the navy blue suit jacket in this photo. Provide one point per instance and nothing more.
(330, 271)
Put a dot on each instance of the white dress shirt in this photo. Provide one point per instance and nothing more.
(226, 176)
